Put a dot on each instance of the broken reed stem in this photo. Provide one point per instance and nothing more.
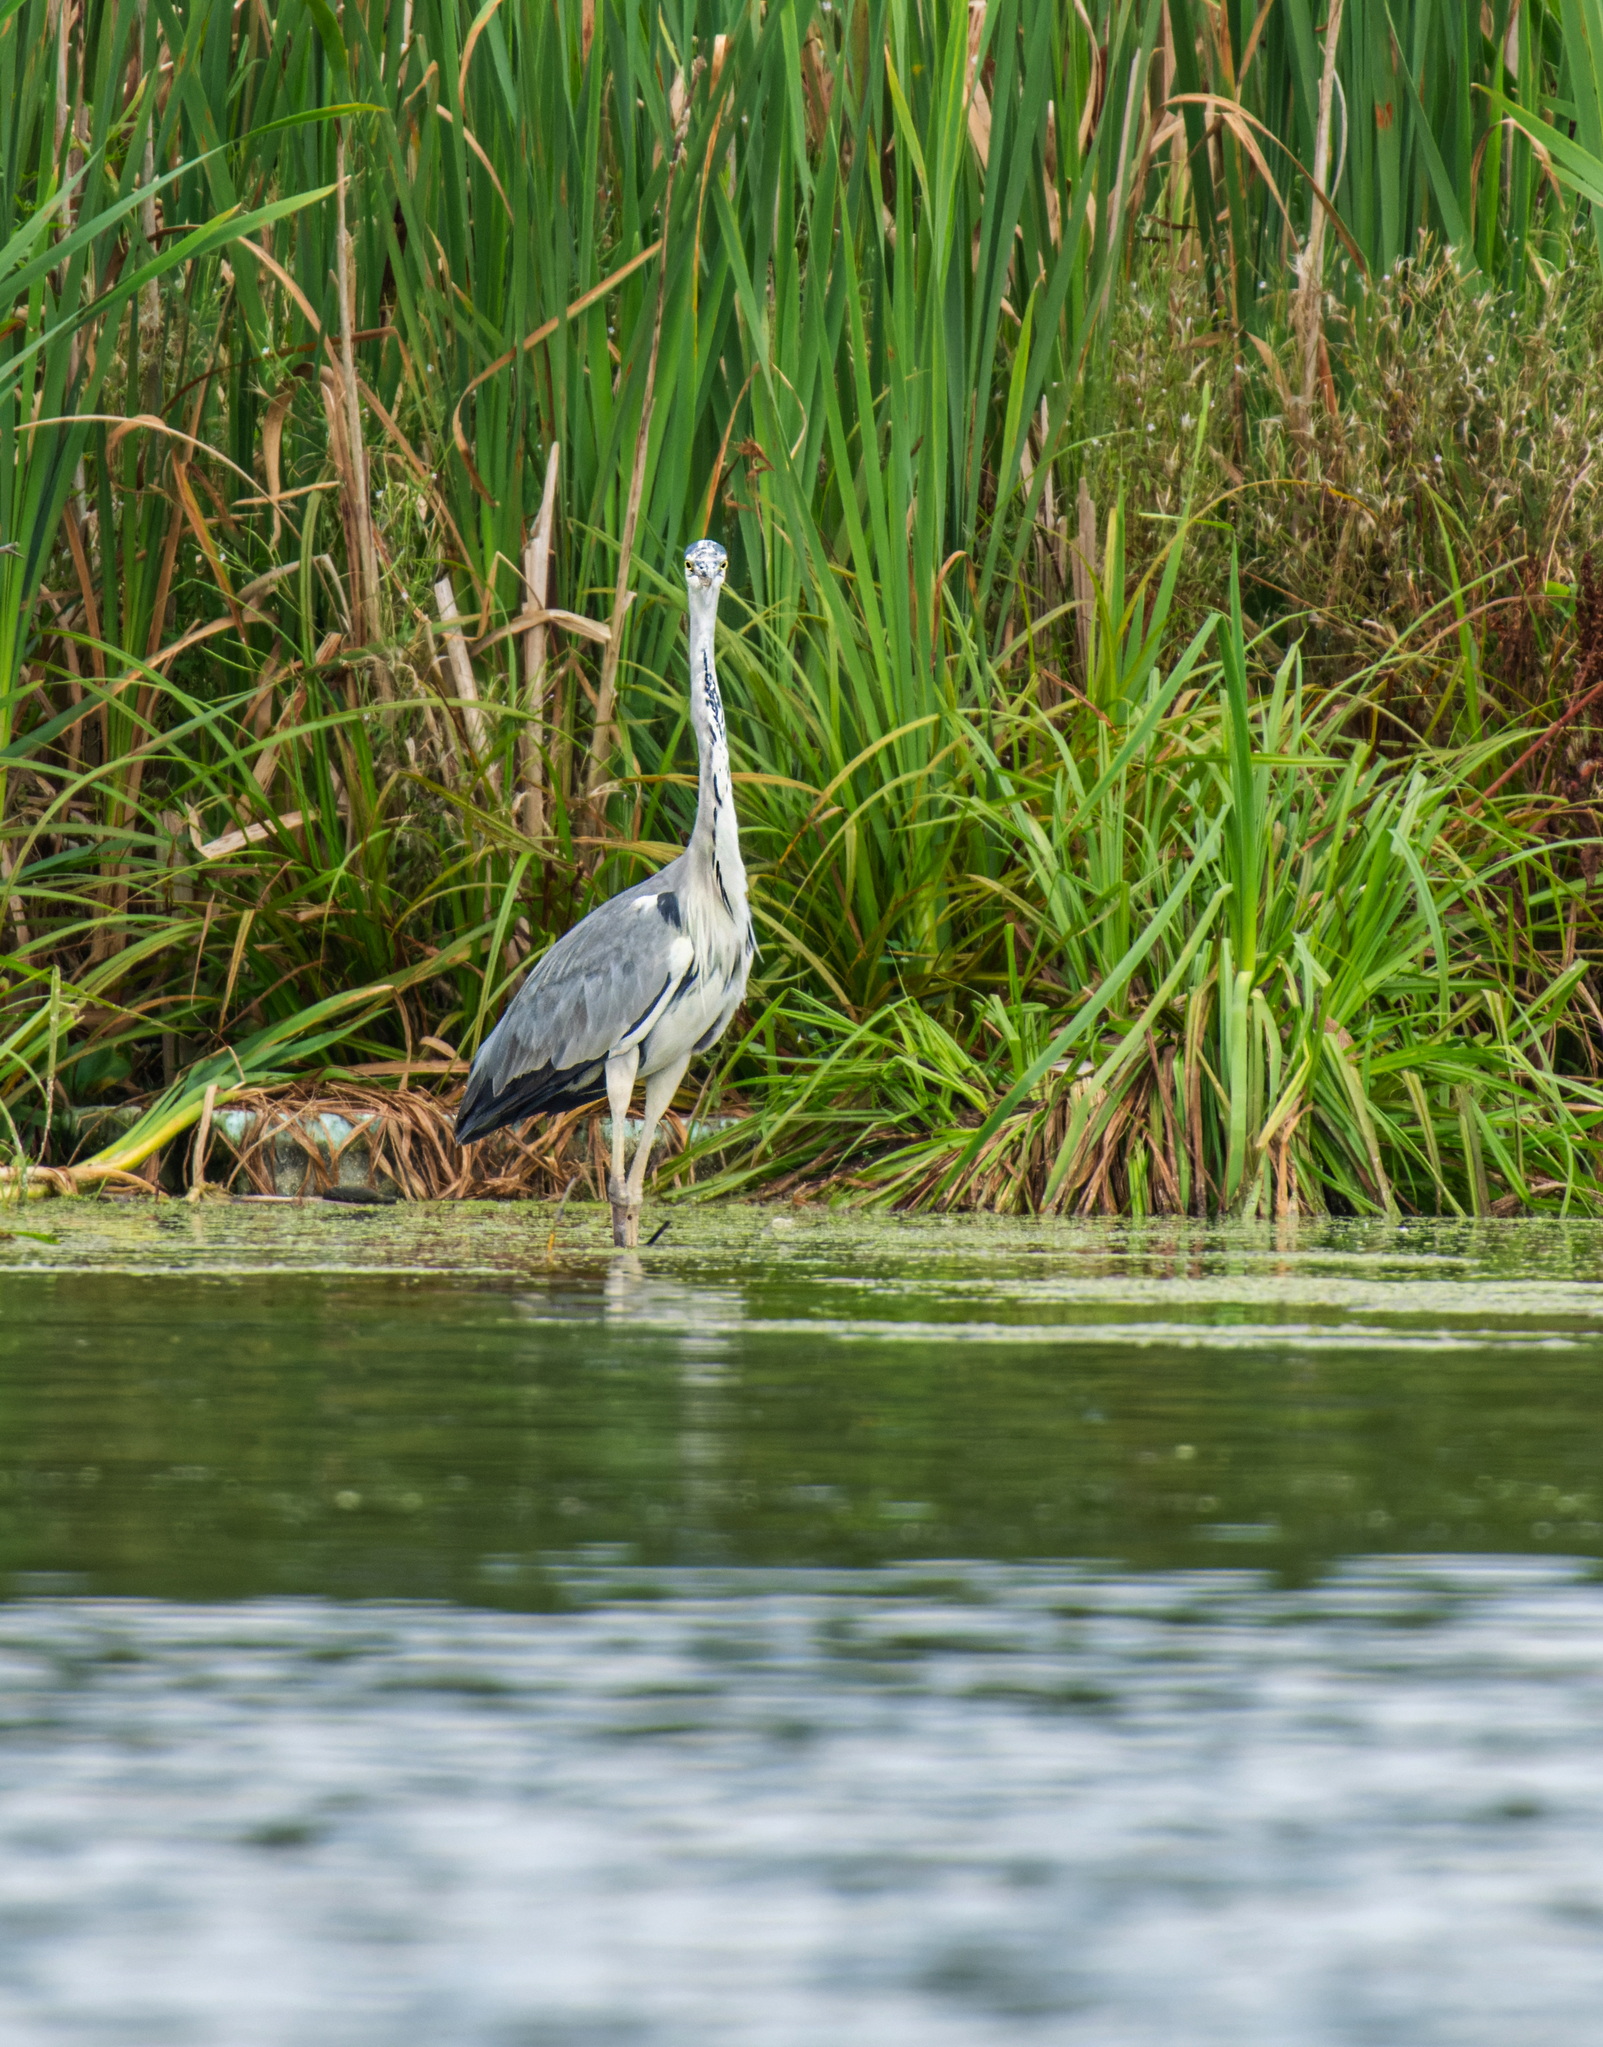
(42, 1183)
(556, 1220)
(365, 593)
(203, 1134)
(1085, 566)
(1307, 314)
(536, 583)
(456, 652)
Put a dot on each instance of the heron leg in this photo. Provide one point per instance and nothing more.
(660, 1088)
(620, 1087)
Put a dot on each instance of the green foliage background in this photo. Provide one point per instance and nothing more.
(1153, 440)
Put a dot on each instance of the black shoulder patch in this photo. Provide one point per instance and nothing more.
(668, 908)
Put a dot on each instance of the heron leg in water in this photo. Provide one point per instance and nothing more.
(626, 1194)
(660, 1087)
(620, 1086)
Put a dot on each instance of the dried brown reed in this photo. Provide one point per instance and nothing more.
(404, 1138)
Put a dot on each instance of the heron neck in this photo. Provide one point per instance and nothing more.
(715, 833)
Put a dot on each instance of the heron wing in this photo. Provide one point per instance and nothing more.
(595, 989)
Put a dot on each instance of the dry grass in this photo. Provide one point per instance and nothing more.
(405, 1137)
(1455, 487)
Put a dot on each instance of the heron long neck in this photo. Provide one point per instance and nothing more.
(715, 838)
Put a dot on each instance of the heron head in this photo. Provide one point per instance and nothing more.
(705, 562)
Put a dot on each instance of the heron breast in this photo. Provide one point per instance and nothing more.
(694, 1016)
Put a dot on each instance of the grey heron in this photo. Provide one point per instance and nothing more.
(646, 981)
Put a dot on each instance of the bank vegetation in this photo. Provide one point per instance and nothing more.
(1157, 446)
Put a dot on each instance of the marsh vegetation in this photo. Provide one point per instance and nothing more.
(1156, 445)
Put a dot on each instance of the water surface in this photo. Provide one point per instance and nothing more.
(921, 1631)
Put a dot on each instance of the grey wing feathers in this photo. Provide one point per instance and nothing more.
(590, 990)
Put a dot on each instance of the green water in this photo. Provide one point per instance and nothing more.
(915, 1634)
(207, 1404)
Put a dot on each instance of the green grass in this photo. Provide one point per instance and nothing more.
(987, 361)
(1250, 968)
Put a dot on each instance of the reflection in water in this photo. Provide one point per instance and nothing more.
(701, 1320)
(699, 1314)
